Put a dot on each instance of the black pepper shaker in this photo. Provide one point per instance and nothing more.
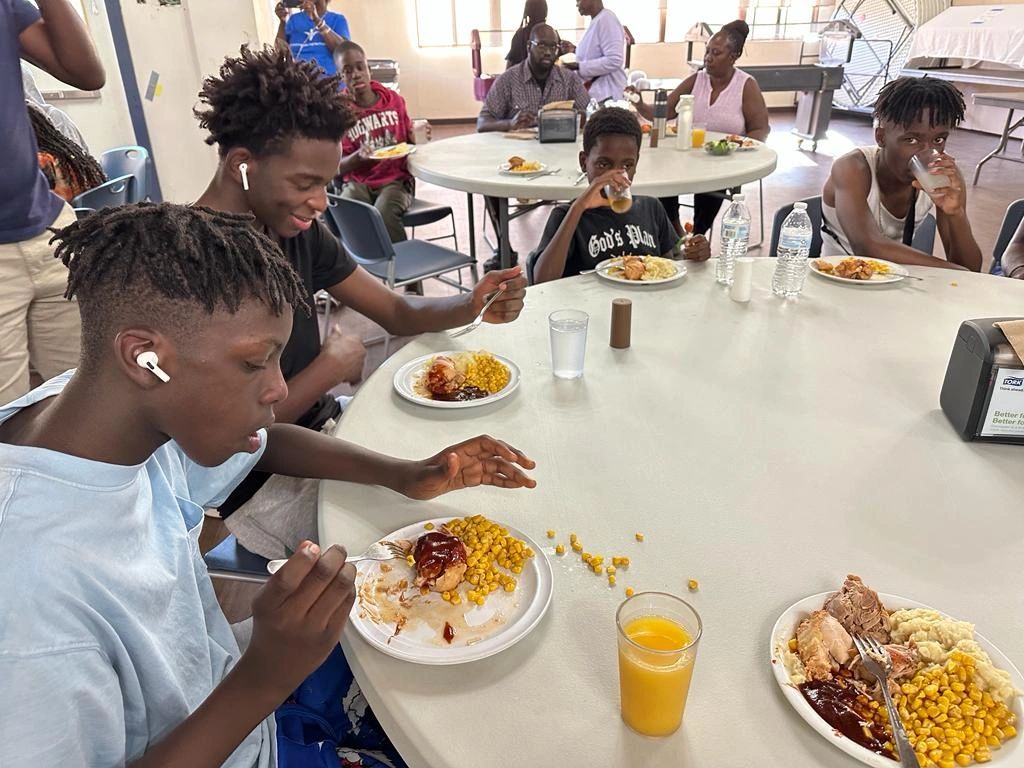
(622, 321)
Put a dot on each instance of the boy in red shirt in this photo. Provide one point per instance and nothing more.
(381, 121)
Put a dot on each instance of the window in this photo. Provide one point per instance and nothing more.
(681, 15)
(643, 17)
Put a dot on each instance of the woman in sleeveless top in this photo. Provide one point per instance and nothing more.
(725, 99)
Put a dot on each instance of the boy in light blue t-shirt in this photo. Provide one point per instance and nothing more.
(113, 649)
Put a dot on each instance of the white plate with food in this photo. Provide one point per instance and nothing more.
(393, 152)
(457, 379)
(743, 143)
(782, 661)
(517, 166)
(855, 270)
(401, 610)
(641, 270)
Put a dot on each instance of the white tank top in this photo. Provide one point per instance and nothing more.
(888, 225)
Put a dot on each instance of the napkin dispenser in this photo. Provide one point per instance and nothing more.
(983, 392)
(557, 125)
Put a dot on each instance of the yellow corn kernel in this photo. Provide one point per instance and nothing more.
(611, 580)
(692, 585)
(586, 557)
(446, 596)
(639, 536)
(551, 534)
(456, 598)
(429, 526)
(629, 592)
(610, 570)
(625, 562)
(410, 560)
(577, 547)
(572, 538)
(509, 587)
(560, 549)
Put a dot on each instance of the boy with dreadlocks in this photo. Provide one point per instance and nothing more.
(872, 203)
(111, 640)
(278, 125)
(68, 168)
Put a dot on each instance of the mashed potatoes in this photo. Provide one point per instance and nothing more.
(936, 636)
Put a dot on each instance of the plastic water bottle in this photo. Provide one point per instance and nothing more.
(735, 236)
(794, 245)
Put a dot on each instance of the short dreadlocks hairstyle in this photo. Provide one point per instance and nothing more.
(82, 168)
(169, 265)
(262, 100)
(908, 99)
(608, 121)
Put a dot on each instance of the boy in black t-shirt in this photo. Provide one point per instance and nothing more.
(580, 236)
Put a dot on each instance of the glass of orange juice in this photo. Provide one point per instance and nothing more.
(698, 136)
(658, 637)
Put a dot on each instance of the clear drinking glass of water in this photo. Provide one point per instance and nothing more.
(930, 182)
(568, 342)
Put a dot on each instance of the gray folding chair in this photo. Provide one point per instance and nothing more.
(129, 161)
(424, 212)
(112, 193)
(230, 560)
(396, 264)
(1011, 220)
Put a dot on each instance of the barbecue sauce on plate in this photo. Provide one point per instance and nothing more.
(838, 706)
(468, 392)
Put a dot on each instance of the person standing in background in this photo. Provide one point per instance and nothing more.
(39, 329)
(312, 34)
(601, 53)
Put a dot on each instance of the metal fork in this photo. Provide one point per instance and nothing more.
(478, 319)
(877, 662)
(382, 550)
(548, 172)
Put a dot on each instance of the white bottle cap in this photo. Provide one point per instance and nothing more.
(800, 206)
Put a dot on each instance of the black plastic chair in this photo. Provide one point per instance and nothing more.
(230, 560)
(129, 161)
(396, 264)
(924, 235)
(112, 193)
(1011, 220)
(423, 212)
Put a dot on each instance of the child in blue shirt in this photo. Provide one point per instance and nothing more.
(113, 649)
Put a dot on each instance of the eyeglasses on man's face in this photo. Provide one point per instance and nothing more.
(552, 47)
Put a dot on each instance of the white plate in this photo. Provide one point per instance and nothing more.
(522, 610)
(506, 169)
(405, 380)
(602, 272)
(896, 275)
(785, 629)
(409, 149)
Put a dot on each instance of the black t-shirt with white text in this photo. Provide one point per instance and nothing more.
(643, 230)
(321, 262)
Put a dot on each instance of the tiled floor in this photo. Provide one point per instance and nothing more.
(799, 174)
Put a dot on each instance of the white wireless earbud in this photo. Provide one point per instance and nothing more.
(244, 170)
(150, 361)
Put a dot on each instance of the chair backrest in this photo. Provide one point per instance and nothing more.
(813, 211)
(630, 40)
(1011, 220)
(362, 230)
(129, 161)
(924, 234)
(114, 192)
(474, 53)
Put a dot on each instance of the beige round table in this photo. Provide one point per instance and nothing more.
(470, 164)
(765, 449)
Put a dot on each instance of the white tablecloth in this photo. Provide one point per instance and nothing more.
(765, 449)
(974, 34)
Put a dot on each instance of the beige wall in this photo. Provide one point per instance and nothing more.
(438, 83)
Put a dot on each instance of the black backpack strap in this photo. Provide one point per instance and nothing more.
(908, 225)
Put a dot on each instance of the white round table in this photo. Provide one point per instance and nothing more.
(470, 163)
(765, 449)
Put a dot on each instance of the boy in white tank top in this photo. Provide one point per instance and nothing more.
(870, 190)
